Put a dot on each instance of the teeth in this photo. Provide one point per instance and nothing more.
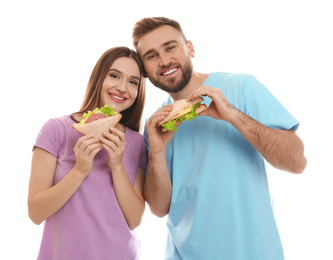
(119, 98)
(170, 71)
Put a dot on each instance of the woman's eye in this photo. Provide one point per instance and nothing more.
(133, 82)
(114, 75)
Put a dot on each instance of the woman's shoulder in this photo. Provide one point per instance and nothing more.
(64, 120)
(58, 124)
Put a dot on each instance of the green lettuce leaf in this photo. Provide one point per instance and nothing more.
(172, 125)
(109, 111)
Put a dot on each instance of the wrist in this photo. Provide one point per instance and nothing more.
(79, 173)
(157, 158)
(117, 166)
(233, 115)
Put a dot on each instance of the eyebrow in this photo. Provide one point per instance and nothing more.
(152, 50)
(120, 72)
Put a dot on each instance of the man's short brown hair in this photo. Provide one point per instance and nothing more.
(149, 24)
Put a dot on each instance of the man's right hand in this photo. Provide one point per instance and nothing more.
(157, 139)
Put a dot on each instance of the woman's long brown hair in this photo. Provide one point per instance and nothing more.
(131, 116)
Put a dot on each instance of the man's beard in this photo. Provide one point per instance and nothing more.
(173, 86)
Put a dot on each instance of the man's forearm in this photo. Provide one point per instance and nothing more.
(283, 149)
(158, 188)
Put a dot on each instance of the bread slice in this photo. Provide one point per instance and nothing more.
(99, 126)
(178, 107)
(199, 109)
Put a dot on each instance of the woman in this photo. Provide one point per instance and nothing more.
(89, 190)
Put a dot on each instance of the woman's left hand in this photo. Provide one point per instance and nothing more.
(114, 143)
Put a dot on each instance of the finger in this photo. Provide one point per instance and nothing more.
(158, 116)
(91, 147)
(202, 91)
(164, 110)
(82, 139)
(117, 132)
(110, 138)
(110, 144)
(87, 143)
(94, 151)
(111, 149)
(155, 120)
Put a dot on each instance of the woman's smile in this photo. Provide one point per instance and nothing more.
(117, 97)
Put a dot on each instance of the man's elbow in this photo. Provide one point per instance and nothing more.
(296, 166)
(300, 166)
(158, 212)
(158, 208)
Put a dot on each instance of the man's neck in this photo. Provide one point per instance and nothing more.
(195, 82)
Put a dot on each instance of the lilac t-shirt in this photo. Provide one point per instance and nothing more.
(91, 224)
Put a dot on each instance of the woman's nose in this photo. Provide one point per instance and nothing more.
(121, 87)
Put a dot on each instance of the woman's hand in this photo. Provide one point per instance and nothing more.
(85, 150)
(114, 143)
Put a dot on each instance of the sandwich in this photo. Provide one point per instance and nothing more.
(98, 121)
(182, 110)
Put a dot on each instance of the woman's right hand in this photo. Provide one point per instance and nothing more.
(85, 150)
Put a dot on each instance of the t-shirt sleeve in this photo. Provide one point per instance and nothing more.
(49, 138)
(145, 135)
(263, 107)
(143, 154)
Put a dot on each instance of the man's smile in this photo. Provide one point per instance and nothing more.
(169, 71)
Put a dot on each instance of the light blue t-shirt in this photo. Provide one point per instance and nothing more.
(221, 207)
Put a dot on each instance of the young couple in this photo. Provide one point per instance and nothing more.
(209, 177)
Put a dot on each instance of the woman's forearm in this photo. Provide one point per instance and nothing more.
(131, 201)
(45, 203)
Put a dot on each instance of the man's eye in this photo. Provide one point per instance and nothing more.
(170, 48)
(151, 56)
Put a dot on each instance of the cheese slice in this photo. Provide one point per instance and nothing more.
(183, 112)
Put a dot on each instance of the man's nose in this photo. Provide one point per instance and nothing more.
(164, 60)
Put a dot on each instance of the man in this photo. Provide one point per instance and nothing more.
(210, 176)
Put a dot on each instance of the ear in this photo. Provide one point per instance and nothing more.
(191, 49)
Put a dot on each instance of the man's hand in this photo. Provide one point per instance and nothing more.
(157, 139)
(283, 149)
(219, 108)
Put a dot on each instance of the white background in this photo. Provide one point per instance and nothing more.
(48, 50)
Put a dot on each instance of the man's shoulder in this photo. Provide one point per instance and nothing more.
(235, 76)
(227, 81)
